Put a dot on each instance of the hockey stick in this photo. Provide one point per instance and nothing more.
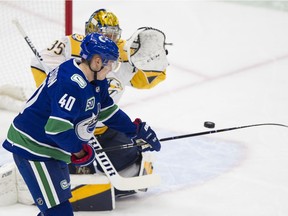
(30, 44)
(141, 143)
(119, 182)
(17, 94)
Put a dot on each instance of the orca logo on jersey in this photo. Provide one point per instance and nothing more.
(86, 127)
(91, 125)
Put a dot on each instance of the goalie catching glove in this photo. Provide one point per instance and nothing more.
(145, 133)
(84, 157)
(146, 49)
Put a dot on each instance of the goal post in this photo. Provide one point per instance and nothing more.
(68, 17)
(44, 22)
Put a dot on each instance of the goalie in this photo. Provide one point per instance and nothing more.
(142, 65)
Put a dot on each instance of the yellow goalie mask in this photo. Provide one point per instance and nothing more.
(104, 22)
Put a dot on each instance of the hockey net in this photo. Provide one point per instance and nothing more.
(43, 21)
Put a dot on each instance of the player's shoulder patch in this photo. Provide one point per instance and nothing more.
(90, 104)
(52, 77)
(78, 37)
(79, 80)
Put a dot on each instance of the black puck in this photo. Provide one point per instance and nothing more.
(209, 124)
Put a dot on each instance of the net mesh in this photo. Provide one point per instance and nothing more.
(43, 22)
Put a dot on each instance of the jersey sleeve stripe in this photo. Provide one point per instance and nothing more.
(107, 113)
(57, 125)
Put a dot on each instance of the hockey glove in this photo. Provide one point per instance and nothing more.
(145, 133)
(146, 49)
(89, 156)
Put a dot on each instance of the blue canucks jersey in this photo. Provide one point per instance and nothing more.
(61, 115)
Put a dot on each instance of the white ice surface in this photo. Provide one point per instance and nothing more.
(229, 65)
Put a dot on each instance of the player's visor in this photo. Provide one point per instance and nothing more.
(114, 64)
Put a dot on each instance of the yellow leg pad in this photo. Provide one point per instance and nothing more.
(148, 168)
(93, 197)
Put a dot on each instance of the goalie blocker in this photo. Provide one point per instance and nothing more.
(92, 192)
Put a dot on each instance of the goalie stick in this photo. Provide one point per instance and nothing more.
(13, 96)
(30, 44)
(141, 143)
(119, 182)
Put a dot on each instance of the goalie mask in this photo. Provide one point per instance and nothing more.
(104, 22)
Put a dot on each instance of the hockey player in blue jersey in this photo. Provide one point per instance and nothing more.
(59, 119)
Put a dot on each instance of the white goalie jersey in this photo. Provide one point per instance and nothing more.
(69, 47)
(126, 75)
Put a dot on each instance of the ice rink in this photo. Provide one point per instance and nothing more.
(229, 65)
